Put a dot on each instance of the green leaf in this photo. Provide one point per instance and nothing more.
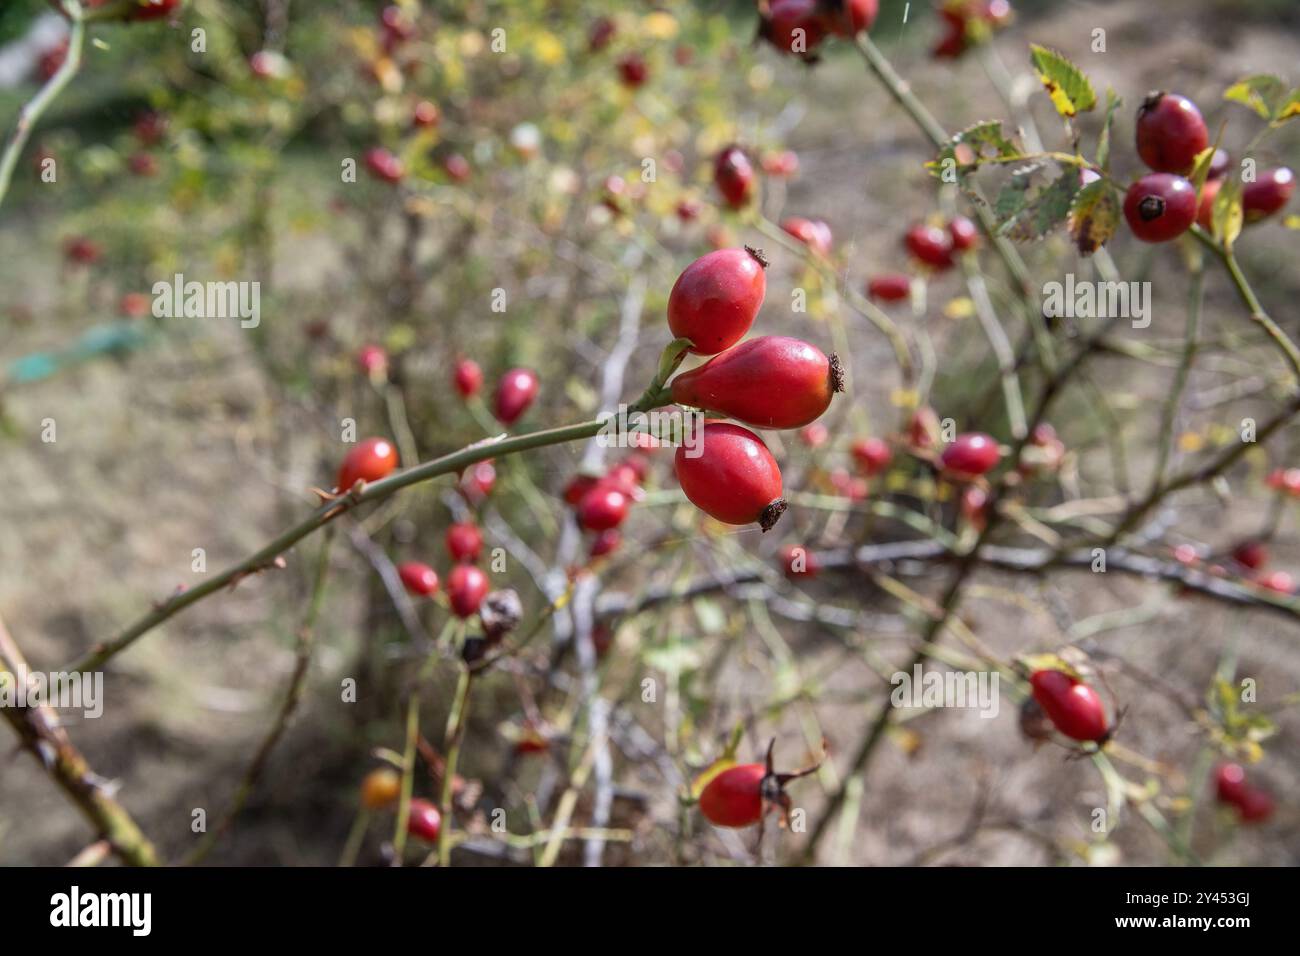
(1012, 198)
(1201, 166)
(974, 145)
(1113, 103)
(1227, 215)
(1048, 209)
(1094, 216)
(1262, 93)
(1066, 84)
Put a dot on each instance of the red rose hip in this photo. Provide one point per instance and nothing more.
(424, 822)
(468, 378)
(1267, 194)
(464, 541)
(467, 586)
(1170, 132)
(930, 245)
(1160, 207)
(418, 578)
(769, 382)
(603, 508)
(873, 455)
(733, 478)
(1072, 706)
(891, 287)
(734, 798)
(715, 299)
(371, 460)
(971, 455)
(733, 174)
(515, 392)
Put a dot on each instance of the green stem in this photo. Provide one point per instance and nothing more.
(455, 735)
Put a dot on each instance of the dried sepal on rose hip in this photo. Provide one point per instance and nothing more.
(740, 795)
(769, 382)
(733, 478)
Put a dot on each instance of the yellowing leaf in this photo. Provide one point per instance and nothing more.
(1066, 84)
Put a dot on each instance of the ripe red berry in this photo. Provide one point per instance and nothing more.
(965, 235)
(1255, 806)
(371, 460)
(577, 488)
(478, 479)
(974, 506)
(373, 360)
(846, 18)
(1160, 207)
(457, 167)
(1170, 132)
(813, 233)
(152, 9)
(82, 250)
(971, 455)
(734, 176)
(426, 115)
(1251, 554)
(464, 541)
(469, 377)
(814, 435)
(1287, 481)
(799, 562)
(418, 578)
(769, 382)
(1278, 581)
(605, 543)
(1230, 782)
(602, 31)
(1267, 194)
(930, 245)
(380, 788)
(688, 210)
(923, 428)
(890, 287)
(515, 392)
(602, 508)
(783, 164)
(733, 478)
(467, 586)
(424, 822)
(873, 455)
(715, 299)
(383, 165)
(632, 70)
(793, 26)
(1072, 706)
(734, 798)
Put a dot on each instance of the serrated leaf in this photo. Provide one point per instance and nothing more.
(1226, 217)
(975, 144)
(1262, 93)
(1113, 102)
(1094, 216)
(1048, 209)
(1066, 84)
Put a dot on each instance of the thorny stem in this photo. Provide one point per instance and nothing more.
(266, 557)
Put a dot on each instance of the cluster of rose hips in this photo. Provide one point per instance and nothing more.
(601, 502)
(1253, 805)
(767, 382)
(1162, 205)
(799, 26)
(935, 247)
(380, 790)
